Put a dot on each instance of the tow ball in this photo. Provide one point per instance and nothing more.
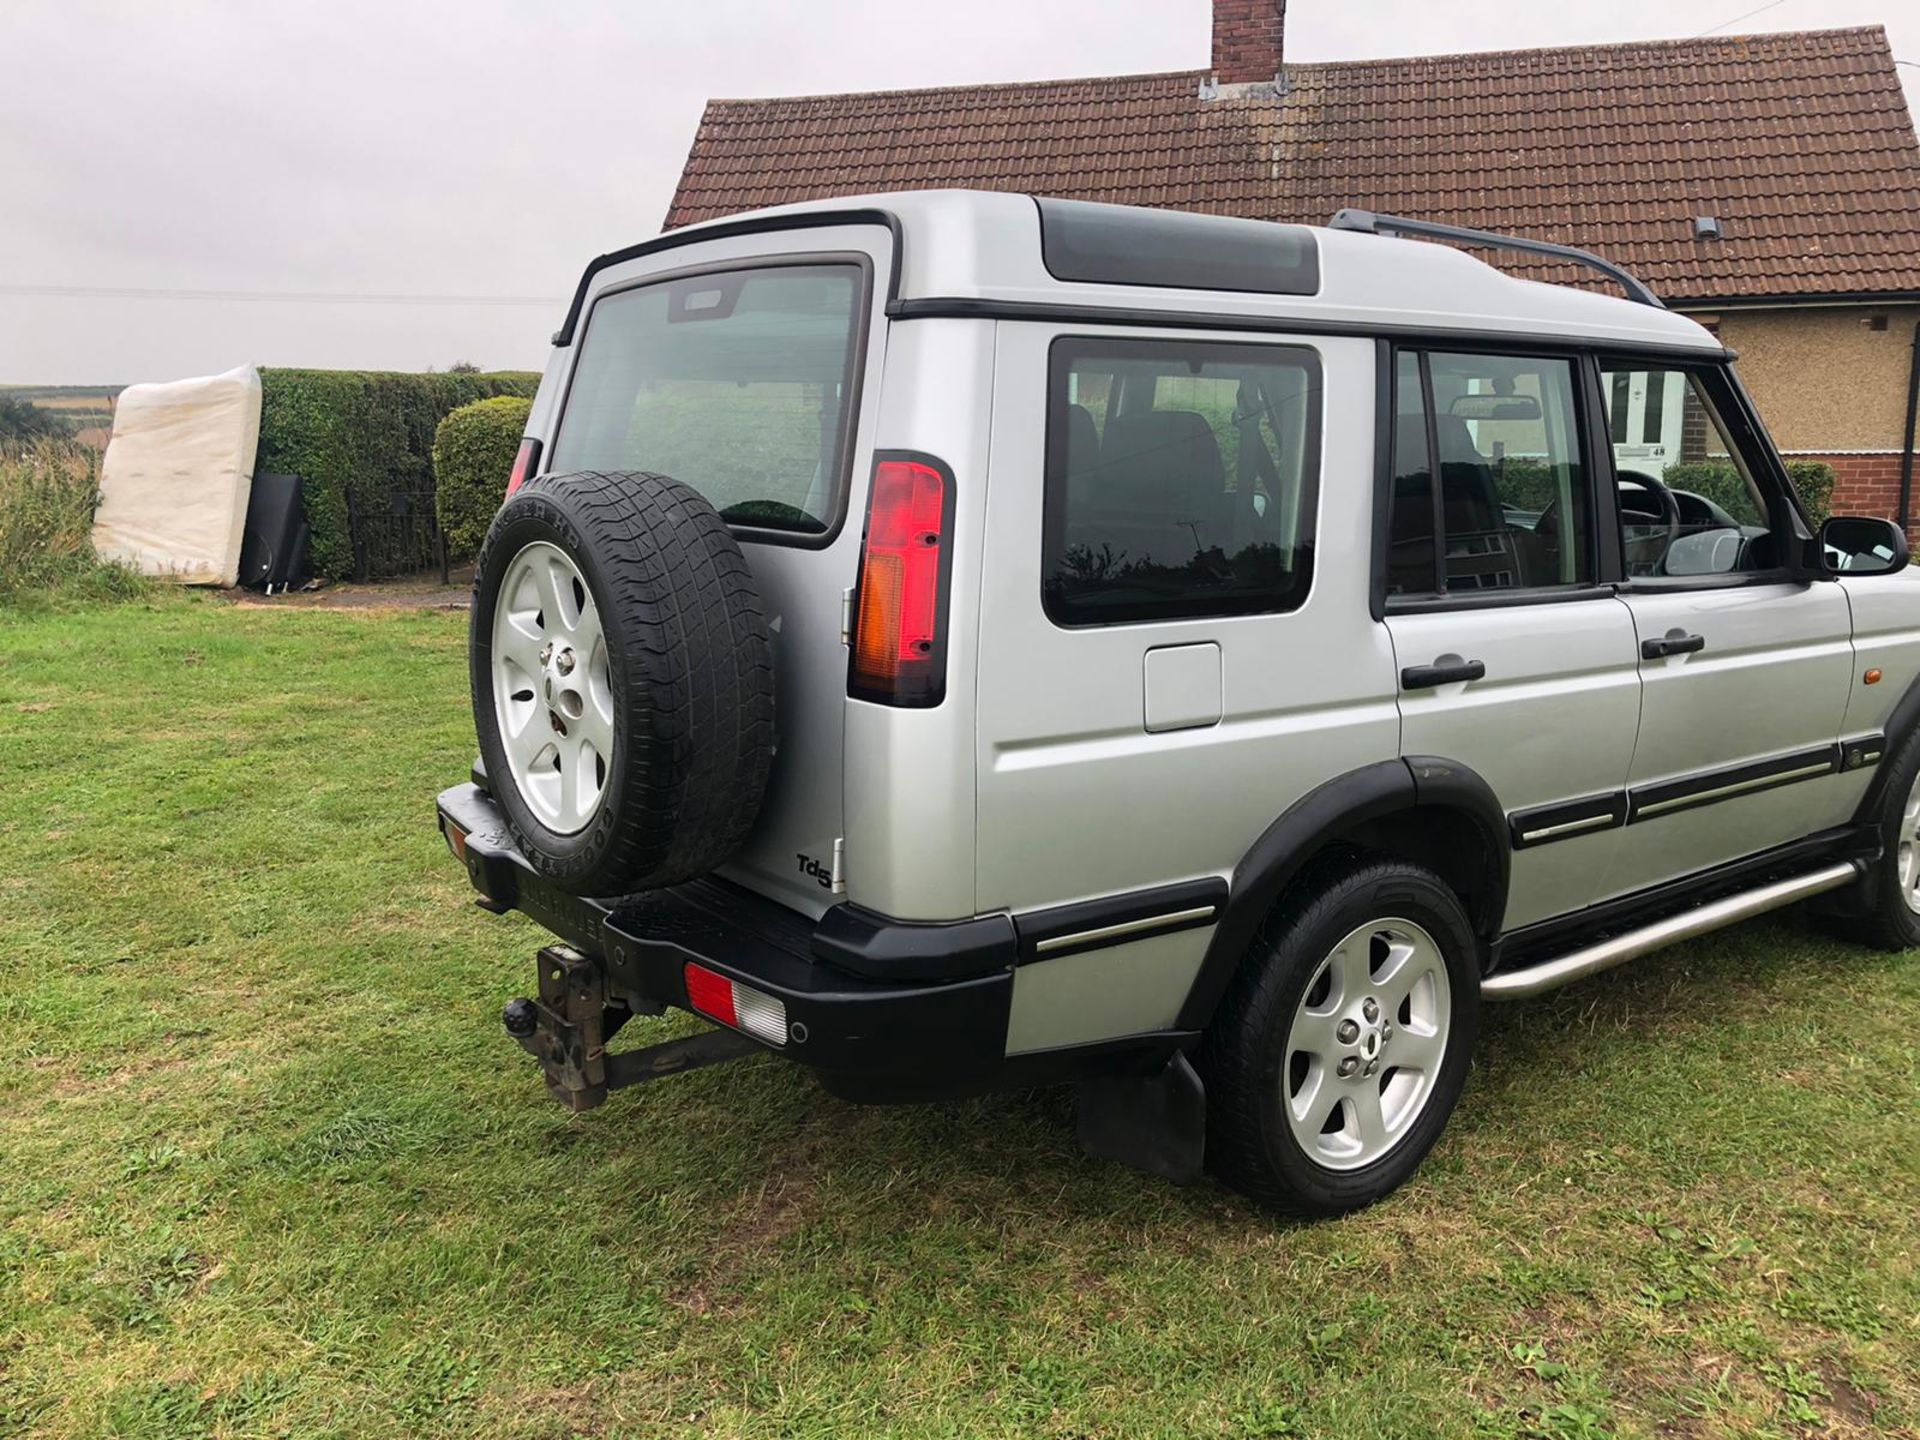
(567, 1029)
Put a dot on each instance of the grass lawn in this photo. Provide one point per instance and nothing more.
(268, 1167)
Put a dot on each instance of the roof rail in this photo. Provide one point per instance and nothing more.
(1368, 223)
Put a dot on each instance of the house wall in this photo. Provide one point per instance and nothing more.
(1831, 387)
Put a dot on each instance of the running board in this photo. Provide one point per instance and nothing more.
(1618, 949)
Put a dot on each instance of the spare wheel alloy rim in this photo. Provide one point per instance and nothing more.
(1366, 1044)
(552, 694)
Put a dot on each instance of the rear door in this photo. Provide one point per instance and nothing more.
(1512, 659)
(749, 368)
(1746, 666)
(1169, 655)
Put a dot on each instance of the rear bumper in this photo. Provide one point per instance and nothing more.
(884, 1026)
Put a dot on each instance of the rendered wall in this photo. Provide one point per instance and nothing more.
(1824, 379)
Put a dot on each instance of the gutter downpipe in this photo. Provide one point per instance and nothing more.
(1906, 435)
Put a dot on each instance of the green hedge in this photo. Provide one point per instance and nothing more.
(473, 452)
(1719, 482)
(368, 433)
(1528, 483)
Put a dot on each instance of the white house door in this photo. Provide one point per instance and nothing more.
(1644, 408)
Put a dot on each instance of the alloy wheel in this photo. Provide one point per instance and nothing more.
(552, 690)
(1909, 848)
(1366, 1044)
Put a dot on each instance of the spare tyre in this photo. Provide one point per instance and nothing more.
(622, 680)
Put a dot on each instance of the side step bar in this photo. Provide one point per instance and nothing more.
(1618, 949)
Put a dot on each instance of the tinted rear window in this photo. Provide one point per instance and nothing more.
(1180, 481)
(738, 383)
(1123, 245)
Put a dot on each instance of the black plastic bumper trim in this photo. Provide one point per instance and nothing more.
(1860, 753)
(1113, 920)
(873, 945)
(1668, 797)
(837, 1020)
(1567, 820)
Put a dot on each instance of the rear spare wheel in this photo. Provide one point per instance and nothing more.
(622, 680)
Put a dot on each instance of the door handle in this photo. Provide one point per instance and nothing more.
(1675, 642)
(1425, 677)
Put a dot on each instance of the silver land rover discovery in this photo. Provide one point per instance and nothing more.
(961, 640)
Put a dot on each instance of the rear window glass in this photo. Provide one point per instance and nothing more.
(737, 383)
(1180, 479)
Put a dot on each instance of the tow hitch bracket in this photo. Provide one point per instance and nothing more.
(568, 1027)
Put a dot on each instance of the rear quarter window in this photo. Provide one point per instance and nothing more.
(739, 383)
(1181, 479)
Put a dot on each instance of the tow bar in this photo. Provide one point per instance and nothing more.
(568, 1027)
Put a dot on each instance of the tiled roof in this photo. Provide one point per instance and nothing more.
(1800, 143)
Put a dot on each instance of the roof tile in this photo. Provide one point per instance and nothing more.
(1800, 143)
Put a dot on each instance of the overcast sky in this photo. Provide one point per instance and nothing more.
(489, 148)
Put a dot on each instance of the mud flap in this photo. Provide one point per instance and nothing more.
(1156, 1123)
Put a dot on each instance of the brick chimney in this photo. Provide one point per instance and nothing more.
(1246, 40)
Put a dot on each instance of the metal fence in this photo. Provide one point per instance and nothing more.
(394, 535)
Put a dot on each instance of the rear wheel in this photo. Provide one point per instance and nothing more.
(1341, 1048)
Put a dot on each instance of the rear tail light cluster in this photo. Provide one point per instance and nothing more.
(731, 1003)
(523, 464)
(899, 628)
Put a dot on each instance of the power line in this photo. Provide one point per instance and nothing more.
(1738, 18)
(294, 297)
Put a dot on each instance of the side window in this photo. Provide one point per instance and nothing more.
(1689, 504)
(1180, 479)
(1508, 506)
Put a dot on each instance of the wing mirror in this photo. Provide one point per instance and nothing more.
(1860, 545)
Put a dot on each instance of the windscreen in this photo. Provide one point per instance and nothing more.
(737, 383)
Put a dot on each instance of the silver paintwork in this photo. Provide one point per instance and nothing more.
(1554, 672)
(1075, 796)
(1366, 1043)
(1618, 949)
(910, 783)
(975, 244)
(1886, 637)
(1773, 680)
(800, 588)
(1071, 765)
(1131, 988)
(552, 696)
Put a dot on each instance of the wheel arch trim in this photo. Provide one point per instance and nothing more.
(1320, 818)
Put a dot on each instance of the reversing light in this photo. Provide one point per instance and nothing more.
(523, 463)
(740, 1006)
(899, 628)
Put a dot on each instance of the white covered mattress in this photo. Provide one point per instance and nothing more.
(177, 474)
